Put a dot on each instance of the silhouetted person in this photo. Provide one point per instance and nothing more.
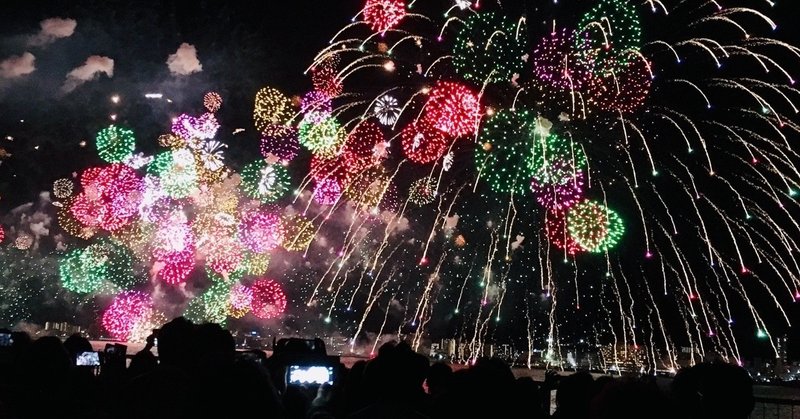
(574, 394)
(713, 390)
(393, 381)
(438, 380)
(630, 399)
(143, 361)
(76, 345)
(487, 381)
(166, 391)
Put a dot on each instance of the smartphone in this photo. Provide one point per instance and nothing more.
(6, 339)
(316, 374)
(88, 359)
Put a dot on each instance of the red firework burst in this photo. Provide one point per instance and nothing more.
(383, 15)
(422, 143)
(269, 300)
(453, 109)
(556, 230)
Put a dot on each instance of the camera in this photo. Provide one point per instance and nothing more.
(88, 359)
(313, 374)
(303, 362)
(6, 339)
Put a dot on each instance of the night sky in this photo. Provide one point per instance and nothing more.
(242, 48)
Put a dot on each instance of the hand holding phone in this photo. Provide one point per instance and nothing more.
(316, 374)
(88, 359)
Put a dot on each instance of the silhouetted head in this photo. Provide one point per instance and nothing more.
(49, 357)
(175, 342)
(77, 344)
(574, 394)
(214, 346)
(713, 390)
(439, 375)
(630, 399)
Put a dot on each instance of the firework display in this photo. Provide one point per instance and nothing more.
(383, 15)
(279, 142)
(264, 181)
(272, 107)
(610, 172)
(268, 299)
(507, 162)
(115, 143)
(127, 309)
(63, 188)
(489, 49)
(595, 227)
(536, 152)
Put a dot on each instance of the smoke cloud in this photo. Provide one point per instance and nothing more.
(17, 66)
(53, 29)
(90, 70)
(184, 61)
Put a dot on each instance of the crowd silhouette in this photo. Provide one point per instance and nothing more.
(199, 374)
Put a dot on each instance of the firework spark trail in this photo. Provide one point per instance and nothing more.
(383, 325)
(425, 297)
(466, 279)
(371, 298)
(530, 331)
(511, 216)
(667, 344)
(485, 283)
(336, 294)
(631, 316)
(611, 327)
(368, 310)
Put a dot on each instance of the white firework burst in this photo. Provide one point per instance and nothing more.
(268, 180)
(212, 155)
(387, 109)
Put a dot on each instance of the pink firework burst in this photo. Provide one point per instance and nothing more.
(280, 142)
(173, 237)
(324, 77)
(177, 267)
(269, 300)
(225, 255)
(261, 231)
(241, 297)
(315, 106)
(453, 109)
(624, 91)
(559, 196)
(205, 127)
(556, 62)
(127, 309)
(110, 197)
(327, 191)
